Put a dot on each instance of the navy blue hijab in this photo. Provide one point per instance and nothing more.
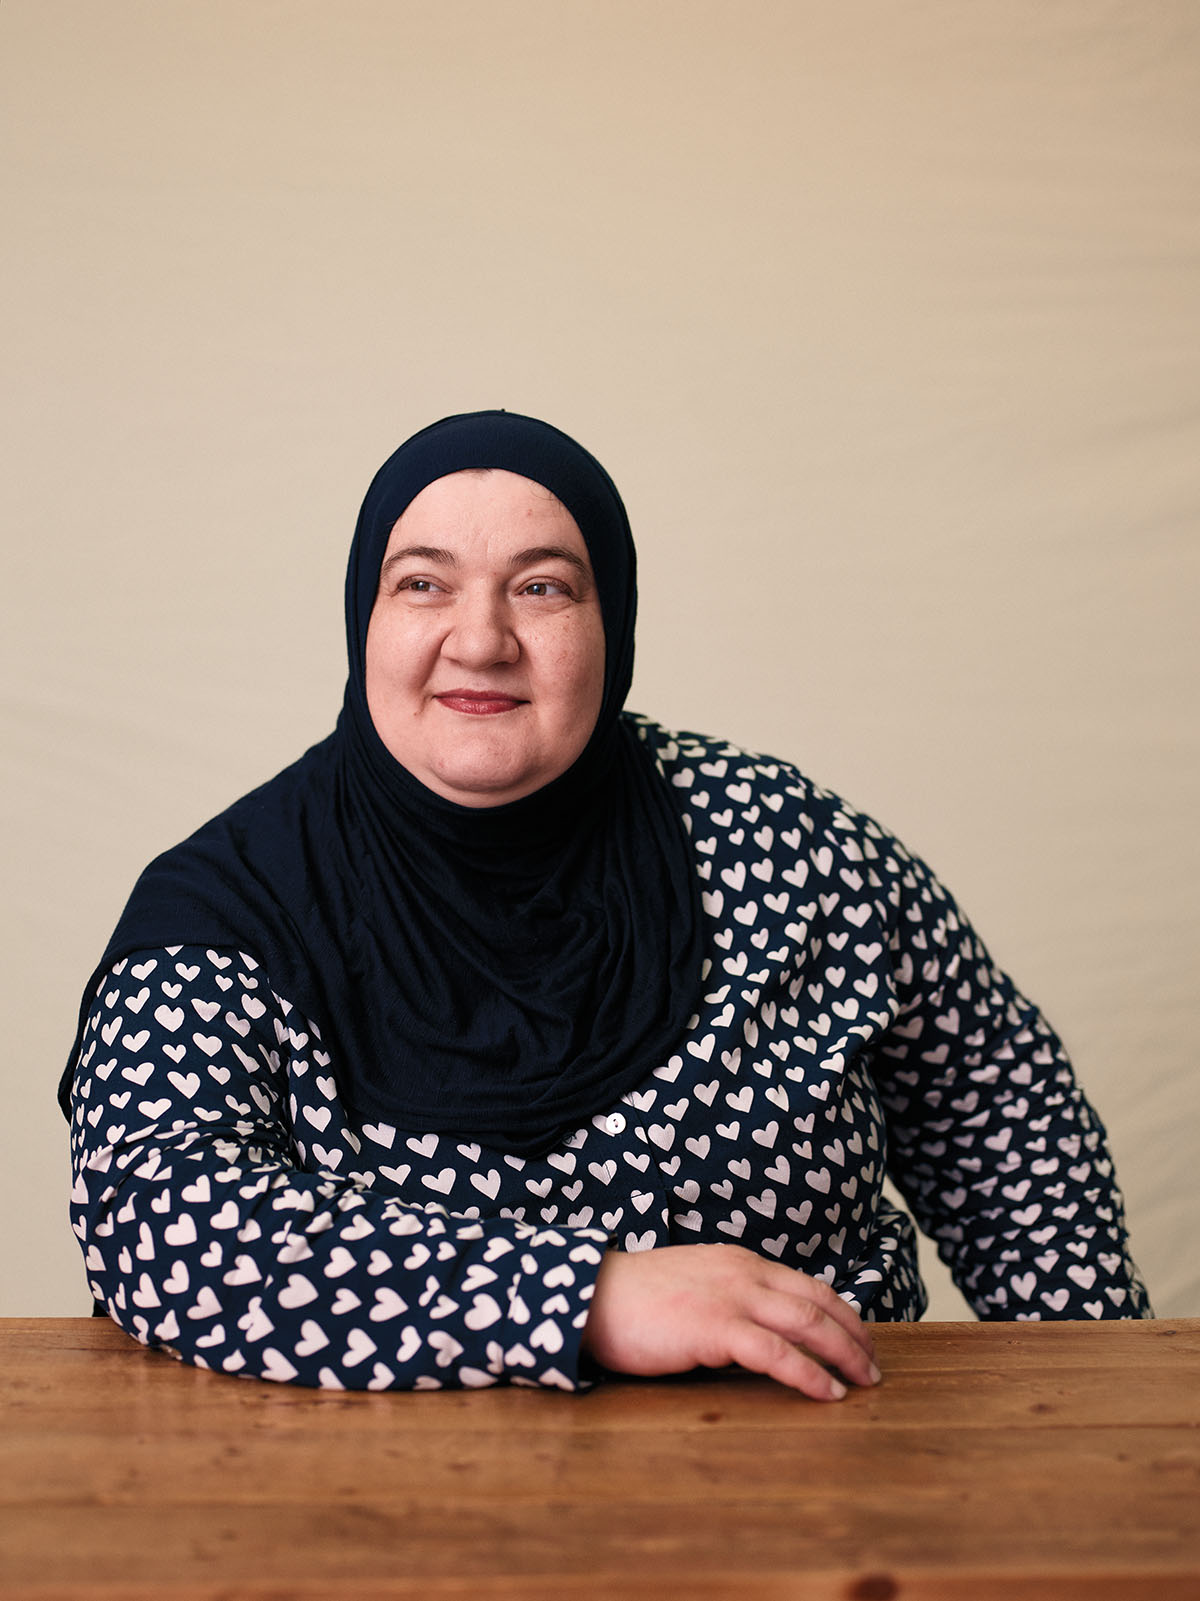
(500, 973)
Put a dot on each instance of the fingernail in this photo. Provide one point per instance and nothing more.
(836, 1389)
(876, 1375)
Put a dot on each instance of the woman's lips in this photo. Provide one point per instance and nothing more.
(479, 702)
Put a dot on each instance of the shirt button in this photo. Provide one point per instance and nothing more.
(615, 1123)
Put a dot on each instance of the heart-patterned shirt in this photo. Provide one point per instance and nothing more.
(850, 1025)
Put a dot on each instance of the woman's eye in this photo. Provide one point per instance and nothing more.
(545, 586)
(417, 586)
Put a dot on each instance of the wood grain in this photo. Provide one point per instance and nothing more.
(1018, 1459)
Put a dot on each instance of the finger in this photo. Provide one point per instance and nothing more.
(760, 1350)
(788, 1281)
(806, 1324)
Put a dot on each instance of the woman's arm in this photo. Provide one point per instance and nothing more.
(991, 1140)
(201, 1232)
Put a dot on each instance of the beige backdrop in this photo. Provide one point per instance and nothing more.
(884, 317)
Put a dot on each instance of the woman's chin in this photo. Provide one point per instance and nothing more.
(482, 783)
(486, 766)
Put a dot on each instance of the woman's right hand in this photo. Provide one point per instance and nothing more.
(687, 1306)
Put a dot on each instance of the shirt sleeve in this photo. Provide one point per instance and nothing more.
(991, 1141)
(204, 1234)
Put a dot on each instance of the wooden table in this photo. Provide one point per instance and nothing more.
(1056, 1460)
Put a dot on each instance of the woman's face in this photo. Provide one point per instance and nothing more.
(485, 649)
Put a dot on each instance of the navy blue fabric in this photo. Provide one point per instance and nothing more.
(498, 972)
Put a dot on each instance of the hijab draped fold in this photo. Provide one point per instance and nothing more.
(500, 973)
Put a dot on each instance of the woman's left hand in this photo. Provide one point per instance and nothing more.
(687, 1306)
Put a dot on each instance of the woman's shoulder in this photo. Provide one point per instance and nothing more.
(682, 750)
(722, 775)
(220, 887)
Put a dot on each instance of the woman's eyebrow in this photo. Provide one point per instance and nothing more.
(537, 553)
(432, 553)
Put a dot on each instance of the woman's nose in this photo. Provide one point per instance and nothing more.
(481, 631)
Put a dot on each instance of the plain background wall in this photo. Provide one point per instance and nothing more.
(883, 316)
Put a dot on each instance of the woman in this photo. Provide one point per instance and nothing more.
(507, 1033)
